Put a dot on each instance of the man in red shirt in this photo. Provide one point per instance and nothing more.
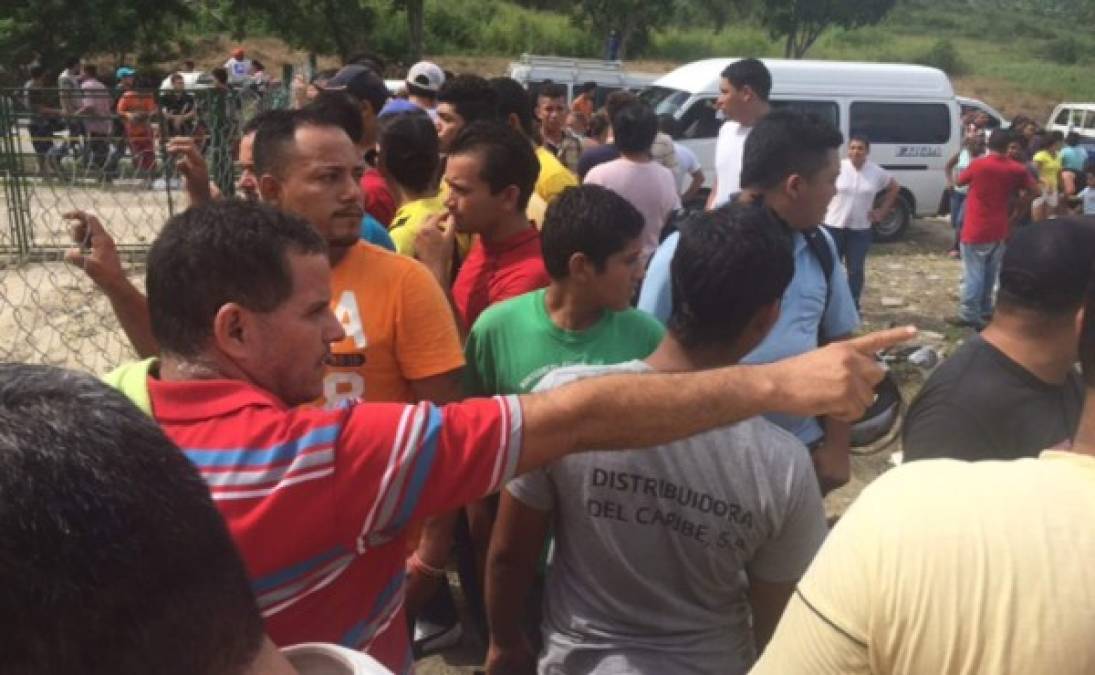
(1000, 190)
(490, 173)
(318, 500)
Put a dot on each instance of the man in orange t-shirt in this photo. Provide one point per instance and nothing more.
(136, 108)
(399, 328)
(584, 101)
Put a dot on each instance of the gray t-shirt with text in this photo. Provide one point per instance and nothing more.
(654, 548)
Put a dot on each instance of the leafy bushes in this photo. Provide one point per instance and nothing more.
(944, 56)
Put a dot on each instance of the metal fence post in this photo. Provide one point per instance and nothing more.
(14, 186)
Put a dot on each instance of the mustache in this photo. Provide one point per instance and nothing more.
(355, 211)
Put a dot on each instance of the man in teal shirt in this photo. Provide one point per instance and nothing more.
(592, 250)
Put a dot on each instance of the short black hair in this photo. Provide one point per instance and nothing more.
(551, 90)
(1087, 336)
(508, 157)
(598, 123)
(667, 124)
(471, 96)
(116, 560)
(634, 128)
(370, 60)
(1055, 136)
(750, 73)
(862, 139)
(786, 142)
(1072, 139)
(513, 99)
(37, 71)
(730, 263)
(278, 132)
(1046, 266)
(71, 62)
(410, 150)
(617, 101)
(229, 250)
(587, 87)
(260, 118)
(340, 109)
(999, 140)
(589, 219)
(219, 74)
(91, 69)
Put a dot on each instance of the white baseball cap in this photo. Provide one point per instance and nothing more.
(426, 75)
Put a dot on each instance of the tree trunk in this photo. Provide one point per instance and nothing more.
(415, 20)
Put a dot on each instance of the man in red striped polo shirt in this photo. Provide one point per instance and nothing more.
(318, 500)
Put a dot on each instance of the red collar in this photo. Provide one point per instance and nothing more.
(516, 241)
(191, 400)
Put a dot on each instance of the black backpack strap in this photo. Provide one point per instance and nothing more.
(819, 246)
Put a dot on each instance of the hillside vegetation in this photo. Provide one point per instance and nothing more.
(1019, 60)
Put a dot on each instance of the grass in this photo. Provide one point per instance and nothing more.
(1017, 63)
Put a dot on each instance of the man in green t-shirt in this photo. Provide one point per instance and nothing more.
(592, 247)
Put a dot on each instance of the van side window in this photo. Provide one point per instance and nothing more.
(1077, 118)
(1089, 122)
(1062, 117)
(699, 121)
(826, 110)
(926, 123)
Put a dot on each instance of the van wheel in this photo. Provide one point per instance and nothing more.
(893, 228)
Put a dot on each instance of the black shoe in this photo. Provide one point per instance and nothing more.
(438, 624)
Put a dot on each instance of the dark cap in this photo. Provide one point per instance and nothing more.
(1047, 265)
(361, 83)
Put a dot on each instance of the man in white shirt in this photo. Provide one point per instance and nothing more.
(239, 67)
(744, 88)
(635, 176)
(852, 213)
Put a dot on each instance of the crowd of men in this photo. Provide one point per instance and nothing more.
(100, 125)
(416, 324)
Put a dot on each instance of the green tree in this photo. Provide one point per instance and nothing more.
(47, 31)
(799, 23)
(319, 26)
(416, 13)
(631, 18)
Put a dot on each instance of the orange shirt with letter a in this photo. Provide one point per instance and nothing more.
(398, 327)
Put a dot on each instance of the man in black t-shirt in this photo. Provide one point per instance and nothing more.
(179, 108)
(1013, 390)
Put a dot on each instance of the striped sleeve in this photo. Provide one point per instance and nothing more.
(436, 460)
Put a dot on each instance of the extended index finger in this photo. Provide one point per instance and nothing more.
(883, 339)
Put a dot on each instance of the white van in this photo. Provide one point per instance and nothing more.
(1078, 117)
(534, 71)
(908, 113)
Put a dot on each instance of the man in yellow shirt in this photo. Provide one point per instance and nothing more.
(951, 567)
(1048, 162)
(408, 158)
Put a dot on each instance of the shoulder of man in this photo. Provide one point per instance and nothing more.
(567, 374)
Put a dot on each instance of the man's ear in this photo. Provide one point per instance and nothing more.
(509, 195)
(233, 330)
(760, 325)
(792, 186)
(580, 267)
(514, 121)
(270, 189)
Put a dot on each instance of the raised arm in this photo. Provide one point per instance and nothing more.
(97, 255)
(623, 411)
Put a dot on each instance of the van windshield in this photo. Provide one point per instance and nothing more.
(663, 100)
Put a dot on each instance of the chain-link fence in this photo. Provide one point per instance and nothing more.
(103, 152)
